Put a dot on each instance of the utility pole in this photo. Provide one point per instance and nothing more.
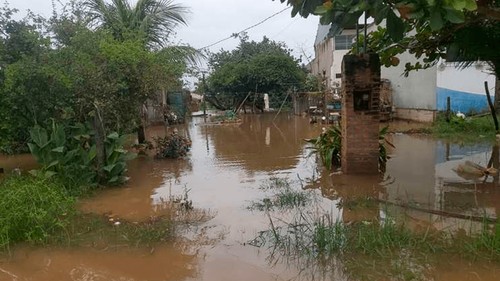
(204, 101)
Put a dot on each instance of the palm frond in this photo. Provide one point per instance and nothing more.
(153, 20)
(183, 53)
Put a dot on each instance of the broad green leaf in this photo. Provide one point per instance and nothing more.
(380, 14)
(320, 10)
(436, 20)
(395, 26)
(59, 149)
(52, 164)
(470, 5)
(113, 135)
(113, 179)
(92, 153)
(58, 137)
(33, 149)
(361, 6)
(49, 174)
(108, 168)
(39, 136)
(455, 16)
(459, 4)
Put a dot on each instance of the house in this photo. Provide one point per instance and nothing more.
(416, 97)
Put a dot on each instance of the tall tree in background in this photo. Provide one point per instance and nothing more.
(253, 67)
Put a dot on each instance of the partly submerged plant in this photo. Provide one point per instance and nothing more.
(172, 146)
(70, 153)
(329, 146)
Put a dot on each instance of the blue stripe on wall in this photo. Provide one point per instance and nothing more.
(460, 101)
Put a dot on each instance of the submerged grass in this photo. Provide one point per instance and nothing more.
(99, 231)
(282, 196)
(40, 211)
(33, 209)
(371, 250)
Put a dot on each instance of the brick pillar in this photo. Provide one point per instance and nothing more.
(360, 113)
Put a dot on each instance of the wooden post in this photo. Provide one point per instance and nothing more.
(492, 107)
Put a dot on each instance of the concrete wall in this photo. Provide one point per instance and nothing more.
(417, 91)
(465, 87)
(323, 59)
(337, 65)
(338, 55)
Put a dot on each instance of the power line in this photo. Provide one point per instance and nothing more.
(234, 35)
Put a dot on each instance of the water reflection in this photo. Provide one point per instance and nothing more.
(84, 264)
(226, 167)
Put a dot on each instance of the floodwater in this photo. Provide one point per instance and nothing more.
(224, 175)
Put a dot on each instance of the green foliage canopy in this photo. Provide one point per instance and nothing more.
(262, 67)
(60, 69)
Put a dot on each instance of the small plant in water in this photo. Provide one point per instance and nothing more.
(328, 146)
(283, 196)
(172, 146)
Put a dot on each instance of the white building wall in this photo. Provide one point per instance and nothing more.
(417, 91)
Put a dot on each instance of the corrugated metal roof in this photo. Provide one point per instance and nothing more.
(321, 33)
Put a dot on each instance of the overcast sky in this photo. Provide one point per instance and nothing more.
(212, 20)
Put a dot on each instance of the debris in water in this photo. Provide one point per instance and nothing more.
(469, 168)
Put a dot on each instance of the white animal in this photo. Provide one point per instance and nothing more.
(460, 115)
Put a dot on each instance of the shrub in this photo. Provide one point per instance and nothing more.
(69, 152)
(33, 209)
(172, 146)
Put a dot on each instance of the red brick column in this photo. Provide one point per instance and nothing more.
(360, 113)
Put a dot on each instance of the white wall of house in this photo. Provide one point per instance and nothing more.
(323, 52)
(464, 86)
(423, 92)
(417, 91)
(337, 66)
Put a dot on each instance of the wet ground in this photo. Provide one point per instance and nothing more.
(225, 174)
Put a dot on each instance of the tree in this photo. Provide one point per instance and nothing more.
(460, 30)
(253, 67)
(149, 20)
(32, 88)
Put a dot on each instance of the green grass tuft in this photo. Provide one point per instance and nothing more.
(32, 209)
(465, 130)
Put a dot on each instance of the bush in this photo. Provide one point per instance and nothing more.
(70, 153)
(32, 210)
(172, 146)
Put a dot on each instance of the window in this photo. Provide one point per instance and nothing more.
(338, 75)
(343, 42)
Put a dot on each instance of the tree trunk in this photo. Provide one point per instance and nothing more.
(492, 107)
(497, 93)
(141, 134)
(99, 143)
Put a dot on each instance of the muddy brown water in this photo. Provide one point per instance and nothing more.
(227, 166)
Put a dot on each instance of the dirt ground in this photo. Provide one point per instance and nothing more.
(408, 127)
